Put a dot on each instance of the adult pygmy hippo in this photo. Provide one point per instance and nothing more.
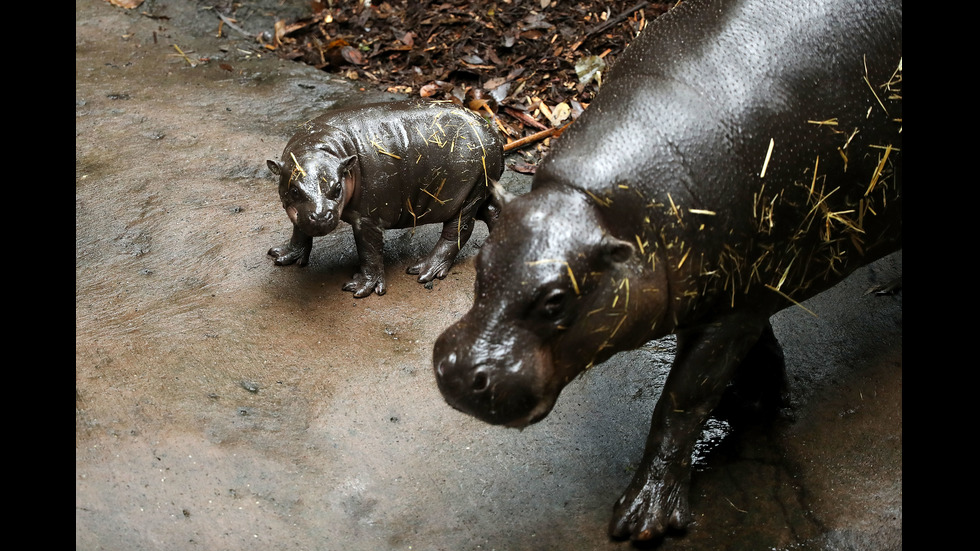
(742, 156)
(389, 165)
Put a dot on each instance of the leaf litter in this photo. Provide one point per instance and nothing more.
(531, 65)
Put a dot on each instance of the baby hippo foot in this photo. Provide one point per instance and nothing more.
(288, 254)
(363, 285)
(427, 270)
(437, 264)
(650, 508)
(296, 249)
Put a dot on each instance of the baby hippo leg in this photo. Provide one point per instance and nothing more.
(455, 234)
(370, 277)
(298, 248)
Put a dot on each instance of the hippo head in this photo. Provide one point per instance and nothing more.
(551, 299)
(314, 186)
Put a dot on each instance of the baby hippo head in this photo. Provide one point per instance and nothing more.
(314, 186)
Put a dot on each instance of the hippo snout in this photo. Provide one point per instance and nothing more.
(320, 218)
(458, 383)
(317, 223)
(500, 393)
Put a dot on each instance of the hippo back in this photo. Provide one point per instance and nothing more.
(417, 160)
(751, 145)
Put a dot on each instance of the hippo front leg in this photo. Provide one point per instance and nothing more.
(369, 238)
(707, 357)
(298, 248)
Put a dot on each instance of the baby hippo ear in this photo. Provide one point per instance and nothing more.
(615, 250)
(274, 166)
(346, 165)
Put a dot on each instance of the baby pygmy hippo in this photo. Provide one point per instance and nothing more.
(389, 165)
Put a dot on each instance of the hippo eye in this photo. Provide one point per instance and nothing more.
(332, 190)
(551, 306)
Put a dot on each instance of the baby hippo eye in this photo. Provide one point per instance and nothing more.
(331, 190)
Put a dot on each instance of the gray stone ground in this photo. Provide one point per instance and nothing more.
(224, 403)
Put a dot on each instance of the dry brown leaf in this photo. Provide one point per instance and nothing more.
(559, 114)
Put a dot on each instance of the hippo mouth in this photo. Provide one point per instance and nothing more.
(512, 396)
(508, 411)
(313, 224)
(541, 411)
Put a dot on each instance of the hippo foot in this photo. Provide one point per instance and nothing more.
(438, 263)
(649, 508)
(363, 285)
(289, 254)
(427, 269)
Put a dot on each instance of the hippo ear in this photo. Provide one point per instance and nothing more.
(346, 165)
(615, 250)
(274, 166)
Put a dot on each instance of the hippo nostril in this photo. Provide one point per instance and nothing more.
(444, 364)
(480, 381)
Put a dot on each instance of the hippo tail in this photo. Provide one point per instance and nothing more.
(498, 194)
(491, 207)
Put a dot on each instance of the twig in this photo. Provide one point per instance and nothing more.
(182, 54)
(765, 164)
(537, 136)
(615, 20)
(231, 23)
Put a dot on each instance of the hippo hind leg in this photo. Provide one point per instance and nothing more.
(440, 260)
(455, 234)
(760, 390)
(489, 211)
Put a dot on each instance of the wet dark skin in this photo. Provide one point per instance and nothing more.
(384, 166)
(741, 157)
